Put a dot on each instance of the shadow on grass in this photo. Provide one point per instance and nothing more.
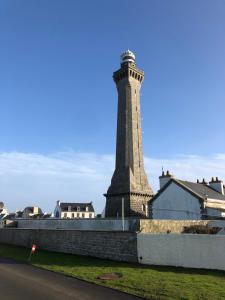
(20, 254)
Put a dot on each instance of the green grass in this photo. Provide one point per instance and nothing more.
(149, 282)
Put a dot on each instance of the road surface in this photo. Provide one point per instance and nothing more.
(19, 281)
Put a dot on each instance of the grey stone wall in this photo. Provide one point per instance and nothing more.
(119, 245)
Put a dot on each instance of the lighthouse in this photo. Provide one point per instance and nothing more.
(129, 184)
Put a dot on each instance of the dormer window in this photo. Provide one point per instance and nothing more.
(87, 208)
(78, 208)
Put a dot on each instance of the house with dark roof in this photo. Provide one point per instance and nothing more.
(33, 212)
(184, 200)
(74, 210)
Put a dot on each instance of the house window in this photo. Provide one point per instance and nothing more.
(90, 215)
(78, 215)
(143, 207)
(83, 215)
(72, 215)
(65, 215)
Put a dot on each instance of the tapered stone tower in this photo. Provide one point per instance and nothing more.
(129, 180)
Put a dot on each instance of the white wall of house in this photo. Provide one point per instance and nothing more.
(79, 214)
(212, 212)
(182, 250)
(58, 213)
(176, 203)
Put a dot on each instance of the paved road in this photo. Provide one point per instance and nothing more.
(21, 281)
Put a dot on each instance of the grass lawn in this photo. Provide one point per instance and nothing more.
(149, 282)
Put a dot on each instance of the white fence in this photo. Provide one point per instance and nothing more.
(204, 251)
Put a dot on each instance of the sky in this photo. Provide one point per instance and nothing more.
(59, 102)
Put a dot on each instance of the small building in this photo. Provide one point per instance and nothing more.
(19, 214)
(33, 212)
(3, 210)
(74, 210)
(184, 200)
(10, 216)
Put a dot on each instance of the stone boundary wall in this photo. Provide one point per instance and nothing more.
(114, 245)
(203, 251)
(180, 250)
(133, 225)
(174, 226)
(79, 224)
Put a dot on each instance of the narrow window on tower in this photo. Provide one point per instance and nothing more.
(143, 207)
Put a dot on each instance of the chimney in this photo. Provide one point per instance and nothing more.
(203, 182)
(164, 178)
(217, 185)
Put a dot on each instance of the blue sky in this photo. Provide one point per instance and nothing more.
(59, 102)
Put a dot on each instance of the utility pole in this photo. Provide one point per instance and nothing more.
(123, 213)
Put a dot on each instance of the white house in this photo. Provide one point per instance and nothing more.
(182, 200)
(74, 210)
(3, 210)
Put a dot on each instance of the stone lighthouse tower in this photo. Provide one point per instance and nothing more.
(129, 180)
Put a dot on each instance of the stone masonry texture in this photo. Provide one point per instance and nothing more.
(169, 226)
(129, 179)
(119, 246)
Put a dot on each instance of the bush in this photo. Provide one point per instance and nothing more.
(201, 229)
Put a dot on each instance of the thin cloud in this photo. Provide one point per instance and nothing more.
(37, 179)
